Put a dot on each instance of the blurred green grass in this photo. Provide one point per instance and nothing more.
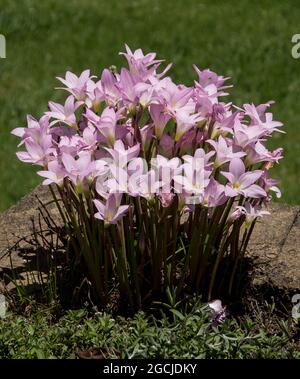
(249, 41)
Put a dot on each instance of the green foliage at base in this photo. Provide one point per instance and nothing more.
(184, 335)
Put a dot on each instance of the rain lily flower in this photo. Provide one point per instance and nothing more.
(264, 120)
(224, 121)
(148, 185)
(166, 145)
(35, 131)
(110, 211)
(70, 144)
(210, 82)
(120, 181)
(185, 122)
(77, 86)
(251, 213)
(66, 113)
(106, 124)
(242, 182)
(166, 198)
(140, 65)
(175, 97)
(126, 86)
(194, 179)
(55, 174)
(110, 91)
(37, 153)
(245, 135)
(224, 153)
(259, 153)
(214, 194)
(166, 170)
(199, 158)
(78, 169)
(185, 125)
(159, 118)
(189, 140)
(121, 155)
(269, 184)
(219, 313)
(146, 134)
(95, 95)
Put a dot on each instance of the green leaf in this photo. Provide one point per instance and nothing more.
(178, 314)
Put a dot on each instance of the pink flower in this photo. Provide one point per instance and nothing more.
(194, 178)
(159, 119)
(225, 153)
(245, 135)
(77, 86)
(148, 185)
(95, 95)
(241, 182)
(78, 169)
(219, 313)
(37, 140)
(106, 123)
(269, 184)
(64, 113)
(166, 169)
(123, 179)
(166, 199)
(121, 155)
(90, 138)
(214, 194)
(259, 153)
(110, 211)
(37, 153)
(200, 157)
(140, 65)
(35, 131)
(126, 86)
(224, 121)
(189, 140)
(251, 213)
(175, 97)
(264, 120)
(185, 122)
(110, 91)
(146, 134)
(166, 145)
(211, 83)
(70, 145)
(54, 174)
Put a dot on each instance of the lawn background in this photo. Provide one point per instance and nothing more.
(247, 40)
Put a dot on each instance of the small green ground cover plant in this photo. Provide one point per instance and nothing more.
(186, 333)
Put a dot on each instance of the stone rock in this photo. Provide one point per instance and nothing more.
(16, 230)
(274, 248)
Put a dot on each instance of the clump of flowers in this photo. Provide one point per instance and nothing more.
(159, 184)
